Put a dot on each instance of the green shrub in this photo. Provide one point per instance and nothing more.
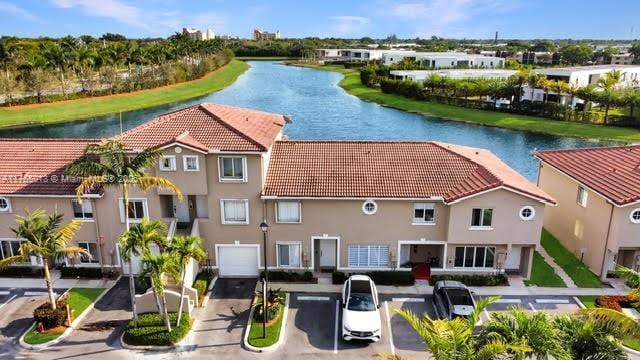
(81, 272)
(151, 330)
(51, 318)
(142, 284)
(474, 280)
(289, 276)
(395, 278)
(21, 271)
(201, 283)
(338, 277)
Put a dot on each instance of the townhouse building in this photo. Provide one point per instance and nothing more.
(345, 205)
(598, 212)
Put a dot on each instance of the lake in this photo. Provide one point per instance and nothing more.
(320, 109)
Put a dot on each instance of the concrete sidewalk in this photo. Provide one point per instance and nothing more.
(35, 283)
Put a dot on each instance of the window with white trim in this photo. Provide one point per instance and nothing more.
(191, 163)
(635, 216)
(368, 256)
(527, 213)
(481, 217)
(233, 168)
(82, 211)
(136, 210)
(288, 212)
(582, 196)
(10, 248)
(289, 254)
(235, 211)
(5, 204)
(423, 213)
(168, 163)
(474, 257)
(92, 248)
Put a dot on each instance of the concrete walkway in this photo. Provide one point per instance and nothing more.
(559, 271)
(58, 282)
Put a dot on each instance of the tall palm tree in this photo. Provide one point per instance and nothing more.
(454, 340)
(608, 84)
(184, 249)
(520, 79)
(158, 267)
(119, 170)
(534, 330)
(47, 239)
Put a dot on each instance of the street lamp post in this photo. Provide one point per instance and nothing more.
(264, 227)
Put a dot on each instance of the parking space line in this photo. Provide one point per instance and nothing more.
(532, 308)
(313, 298)
(416, 300)
(8, 301)
(509, 301)
(552, 301)
(486, 313)
(335, 334)
(386, 308)
(36, 293)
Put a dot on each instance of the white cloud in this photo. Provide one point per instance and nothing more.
(114, 9)
(15, 10)
(346, 25)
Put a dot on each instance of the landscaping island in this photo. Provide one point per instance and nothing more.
(351, 83)
(65, 111)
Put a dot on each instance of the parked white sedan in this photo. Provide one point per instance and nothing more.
(360, 309)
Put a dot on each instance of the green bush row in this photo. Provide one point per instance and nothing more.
(21, 271)
(394, 278)
(474, 280)
(51, 318)
(81, 272)
(151, 330)
(289, 276)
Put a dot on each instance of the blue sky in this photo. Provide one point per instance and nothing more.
(347, 18)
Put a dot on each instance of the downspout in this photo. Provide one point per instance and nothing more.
(603, 273)
(100, 242)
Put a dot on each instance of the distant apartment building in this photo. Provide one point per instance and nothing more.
(597, 216)
(195, 34)
(259, 34)
(438, 60)
(538, 58)
(622, 59)
(421, 75)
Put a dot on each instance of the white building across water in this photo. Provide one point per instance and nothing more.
(421, 75)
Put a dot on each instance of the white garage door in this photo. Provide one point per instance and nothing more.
(238, 261)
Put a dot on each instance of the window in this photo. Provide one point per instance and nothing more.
(635, 216)
(136, 210)
(288, 212)
(191, 163)
(10, 248)
(288, 254)
(235, 211)
(527, 213)
(369, 256)
(369, 207)
(423, 213)
(82, 211)
(481, 217)
(233, 168)
(92, 248)
(474, 256)
(581, 199)
(168, 163)
(5, 205)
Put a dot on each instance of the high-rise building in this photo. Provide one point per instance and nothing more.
(196, 34)
(259, 34)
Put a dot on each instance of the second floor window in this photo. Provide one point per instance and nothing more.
(82, 211)
(92, 248)
(191, 163)
(423, 213)
(136, 210)
(232, 168)
(235, 211)
(288, 212)
(168, 163)
(581, 198)
(481, 217)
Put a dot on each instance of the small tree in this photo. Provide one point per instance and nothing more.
(183, 249)
(158, 267)
(45, 238)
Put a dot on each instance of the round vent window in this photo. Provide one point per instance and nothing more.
(369, 207)
(635, 216)
(527, 213)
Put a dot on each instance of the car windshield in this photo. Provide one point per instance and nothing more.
(459, 296)
(361, 302)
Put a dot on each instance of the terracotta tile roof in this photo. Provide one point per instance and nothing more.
(212, 127)
(37, 166)
(388, 169)
(614, 172)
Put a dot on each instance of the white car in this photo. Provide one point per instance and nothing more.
(360, 309)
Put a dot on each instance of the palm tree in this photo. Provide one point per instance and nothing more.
(454, 340)
(119, 170)
(46, 239)
(184, 249)
(586, 339)
(158, 267)
(534, 330)
(520, 79)
(608, 84)
(586, 93)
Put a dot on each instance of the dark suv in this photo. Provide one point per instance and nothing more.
(452, 299)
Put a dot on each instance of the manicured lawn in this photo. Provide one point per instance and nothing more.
(542, 274)
(88, 107)
(79, 300)
(273, 332)
(588, 301)
(351, 83)
(578, 271)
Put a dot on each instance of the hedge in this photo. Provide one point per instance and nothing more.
(474, 280)
(51, 318)
(21, 271)
(394, 278)
(615, 302)
(81, 272)
(338, 277)
(151, 330)
(289, 276)
(201, 283)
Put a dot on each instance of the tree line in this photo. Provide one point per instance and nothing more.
(46, 69)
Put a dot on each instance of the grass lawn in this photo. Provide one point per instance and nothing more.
(351, 83)
(588, 301)
(79, 300)
(542, 274)
(63, 111)
(264, 58)
(578, 271)
(630, 342)
(273, 332)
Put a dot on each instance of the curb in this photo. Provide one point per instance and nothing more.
(177, 345)
(283, 327)
(630, 351)
(70, 329)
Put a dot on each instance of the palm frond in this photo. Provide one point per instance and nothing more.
(6, 262)
(493, 349)
(614, 319)
(74, 252)
(88, 184)
(145, 159)
(67, 232)
(145, 182)
(630, 277)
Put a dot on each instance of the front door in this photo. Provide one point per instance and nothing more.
(181, 209)
(327, 253)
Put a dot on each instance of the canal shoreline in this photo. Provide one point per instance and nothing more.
(351, 84)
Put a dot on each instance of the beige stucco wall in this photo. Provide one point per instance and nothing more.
(190, 182)
(624, 233)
